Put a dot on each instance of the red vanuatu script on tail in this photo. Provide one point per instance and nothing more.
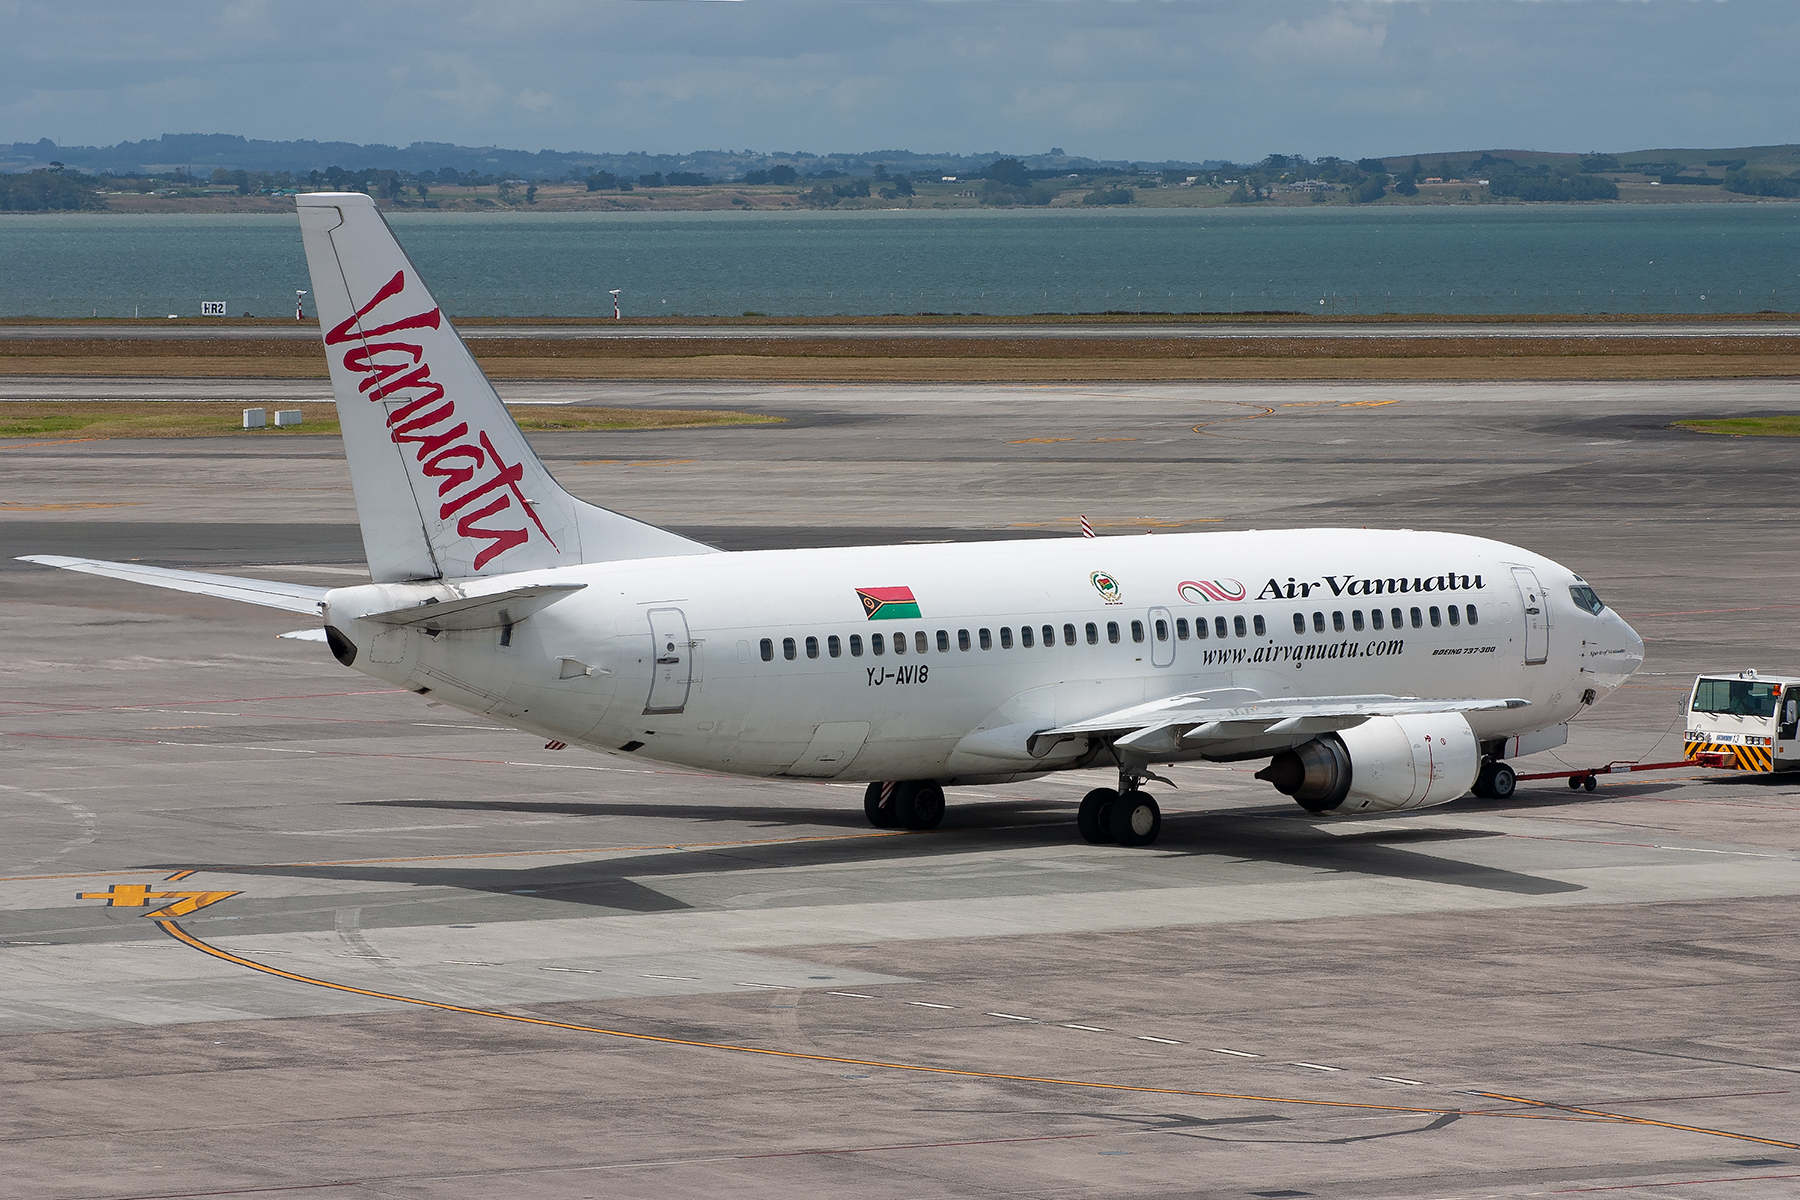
(469, 467)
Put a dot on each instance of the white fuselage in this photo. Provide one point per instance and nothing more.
(686, 660)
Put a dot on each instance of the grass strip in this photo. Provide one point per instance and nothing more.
(1787, 425)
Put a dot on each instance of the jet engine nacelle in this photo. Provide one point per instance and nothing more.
(1384, 764)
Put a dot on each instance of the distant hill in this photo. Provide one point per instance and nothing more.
(1783, 157)
(202, 153)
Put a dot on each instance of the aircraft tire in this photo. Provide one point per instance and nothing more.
(1094, 820)
(1503, 781)
(879, 817)
(1136, 819)
(919, 804)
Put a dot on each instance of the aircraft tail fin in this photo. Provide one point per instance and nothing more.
(446, 485)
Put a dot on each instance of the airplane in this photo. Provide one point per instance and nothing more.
(1375, 670)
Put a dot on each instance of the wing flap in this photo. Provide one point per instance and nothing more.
(290, 597)
(1221, 717)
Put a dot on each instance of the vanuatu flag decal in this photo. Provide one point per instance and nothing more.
(888, 603)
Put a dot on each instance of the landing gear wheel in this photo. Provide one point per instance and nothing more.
(919, 805)
(881, 816)
(1590, 784)
(1136, 820)
(1094, 821)
(1497, 781)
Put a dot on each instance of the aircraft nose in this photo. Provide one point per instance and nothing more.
(1634, 647)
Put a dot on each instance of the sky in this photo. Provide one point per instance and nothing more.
(1117, 79)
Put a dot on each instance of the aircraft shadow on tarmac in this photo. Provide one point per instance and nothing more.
(1274, 835)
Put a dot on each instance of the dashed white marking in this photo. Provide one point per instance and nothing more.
(782, 987)
(1010, 1017)
(1163, 1041)
(688, 978)
(1397, 1079)
(857, 995)
(928, 1004)
(574, 970)
(1088, 1028)
(1235, 1053)
(458, 962)
(1314, 1066)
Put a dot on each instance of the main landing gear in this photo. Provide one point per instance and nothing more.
(1496, 781)
(1128, 815)
(911, 804)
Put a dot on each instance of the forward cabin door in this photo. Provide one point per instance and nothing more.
(1537, 615)
(672, 661)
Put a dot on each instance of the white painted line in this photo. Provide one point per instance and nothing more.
(1397, 1079)
(927, 1004)
(1236, 1053)
(689, 978)
(857, 995)
(1164, 1041)
(573, 970)
(1088, 1028)
(1010, 1017)
(782, 987)
(1314, 1066)
(464, 962)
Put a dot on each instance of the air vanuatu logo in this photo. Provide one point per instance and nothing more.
(1107, 586)
(1199, 591)
(888, 603)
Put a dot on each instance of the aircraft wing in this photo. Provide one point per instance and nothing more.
(290, 597)
(1228, 715)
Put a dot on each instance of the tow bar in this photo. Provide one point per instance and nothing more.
(1588, 777)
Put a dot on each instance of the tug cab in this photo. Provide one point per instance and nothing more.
(1745, 722)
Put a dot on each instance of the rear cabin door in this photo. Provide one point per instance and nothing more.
(672, 661)
(1537, 615)
(1162, 638)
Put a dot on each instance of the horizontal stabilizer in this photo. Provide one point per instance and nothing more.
(290, 597)
(305, 635)
(478, 612)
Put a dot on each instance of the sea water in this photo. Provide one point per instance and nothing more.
(1673, 258)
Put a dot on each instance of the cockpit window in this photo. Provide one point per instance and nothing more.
(1738, 697)
(1584, 597)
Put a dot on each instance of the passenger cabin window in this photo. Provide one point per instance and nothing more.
(856, 645)
(877, 645)
(1474, 616)
(1455, 617)
(984, 639)
(812, 647)
(1093, 634)
(1437, 618)
(1137, 631)
(1112, 632)
(787, 649)
(1299, 622)
(1375, 617)
(1181, 629)
(1005, 637)
(1337, 622)
(1356, 621)
(1584, 598)
(834, 647)
(962, 637)
(1737, 697)
(1318, 622)
(1162, 630)
(1261, 627)
(1025, 638)
(899, 643)
(962, 640)
(1219, 626)
(920, 643)
(1398, 617)
(1238, 624)
(1418, 619)
(768, 650)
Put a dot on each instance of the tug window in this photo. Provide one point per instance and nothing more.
(1399, 618)
(1162, 630)
(1474, 617)
(984, 639)
(1068, 635)
(1005, 637)
(1337, 622)
(1112, 632)
(1238, 624)
(1418, 619)
(812, 647)
(1299, 622)
(1256, 623)
(899, 643)
(856, 645)
(1219, 626)
(1318, 622)
(1181, 628)
(1455, 616)
(1025, 639)
(944, 640)
(1375, 617)
(1093, 632)
(919, 642)
(1356, 620)
(962, 641)
(768, 650)
(787, 649)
